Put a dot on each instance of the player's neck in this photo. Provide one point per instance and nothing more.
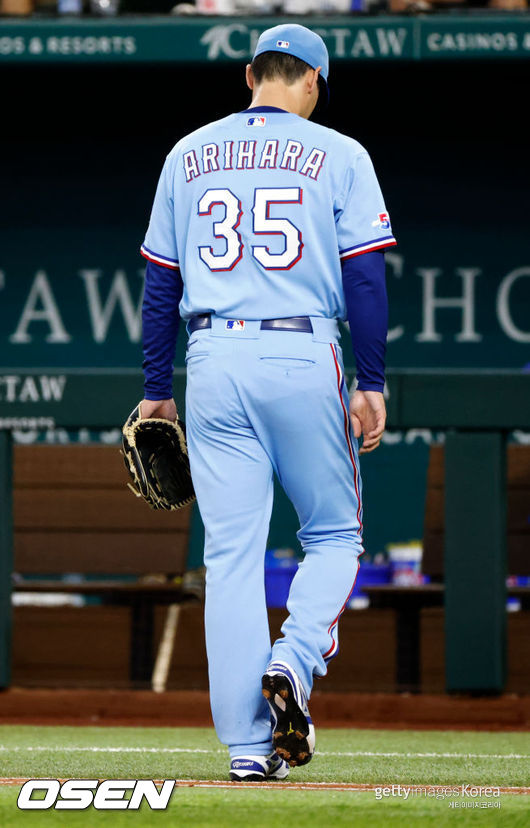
(271, 93)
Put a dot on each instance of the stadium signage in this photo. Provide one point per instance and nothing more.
(104, 309)
(41, 307)
(16, 388)
(79, 794)
(196, 39)
(463, 300)
(238, 41)
(67, 45)
(485, 42)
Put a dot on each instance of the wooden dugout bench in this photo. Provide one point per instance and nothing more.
(409, 601)
(73, 513)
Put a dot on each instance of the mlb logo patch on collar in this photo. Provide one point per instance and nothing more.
(257, 121)
(235, 325)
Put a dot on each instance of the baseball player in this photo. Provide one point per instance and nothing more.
(266, 230)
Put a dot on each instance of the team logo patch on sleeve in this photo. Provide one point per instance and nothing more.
(382, 221)
(257, 121)
(235, 325)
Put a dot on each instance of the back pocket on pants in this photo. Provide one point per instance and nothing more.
(295, 363)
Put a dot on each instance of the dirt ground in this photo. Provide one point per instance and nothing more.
(183, 707)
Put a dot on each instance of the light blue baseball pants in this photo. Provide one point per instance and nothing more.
(259, 402)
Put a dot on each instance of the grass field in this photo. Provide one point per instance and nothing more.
(373, 757)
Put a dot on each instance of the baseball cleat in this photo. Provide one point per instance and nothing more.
(258, 768)
(293, 732)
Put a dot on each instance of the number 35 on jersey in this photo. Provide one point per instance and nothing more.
(225, 211)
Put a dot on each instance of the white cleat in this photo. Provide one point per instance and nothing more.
(258, 768)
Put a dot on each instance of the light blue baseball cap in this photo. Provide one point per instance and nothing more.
(296, 40)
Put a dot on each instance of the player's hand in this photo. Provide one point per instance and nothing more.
(368, 418)
(163, 409)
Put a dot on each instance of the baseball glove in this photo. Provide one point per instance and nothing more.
(156, 456)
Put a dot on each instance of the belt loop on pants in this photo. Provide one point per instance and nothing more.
(301, 324)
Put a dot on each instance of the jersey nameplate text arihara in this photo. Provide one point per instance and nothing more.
(254, 155)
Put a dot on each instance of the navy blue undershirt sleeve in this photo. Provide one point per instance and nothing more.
(160, 324)
(363, 279)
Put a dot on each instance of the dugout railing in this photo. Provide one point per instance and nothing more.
(471, 407)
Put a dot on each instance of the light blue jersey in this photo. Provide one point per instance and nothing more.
(257, 211)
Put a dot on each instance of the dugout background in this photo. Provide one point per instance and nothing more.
(82, 147)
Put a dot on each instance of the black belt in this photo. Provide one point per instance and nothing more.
(291, 323)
